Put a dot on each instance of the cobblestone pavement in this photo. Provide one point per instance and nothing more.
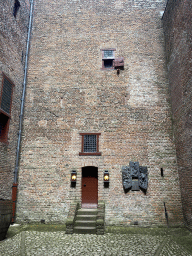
(58, 243)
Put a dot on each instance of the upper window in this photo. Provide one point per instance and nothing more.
(108, 56)
(90, 144)
(16, 8)
(5, 107)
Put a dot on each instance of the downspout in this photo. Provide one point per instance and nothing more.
(14, 187)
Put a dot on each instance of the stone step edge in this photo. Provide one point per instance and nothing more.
(87, 210)
(85, 221)
(82, 213)
(79, 215)
(86, 228)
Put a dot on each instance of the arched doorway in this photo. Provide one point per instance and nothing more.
(89, 187)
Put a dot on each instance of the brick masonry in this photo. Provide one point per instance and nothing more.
(13, 34)
(68, 94)
(178, 36)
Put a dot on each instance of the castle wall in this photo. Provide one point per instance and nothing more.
(69, 93)
(13, 34)
(178, 36)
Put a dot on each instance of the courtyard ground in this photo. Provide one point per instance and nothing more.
(51, 240)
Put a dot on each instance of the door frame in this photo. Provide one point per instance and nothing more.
(84, 172)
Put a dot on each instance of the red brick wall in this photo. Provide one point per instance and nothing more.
(68, 94)
(13, 34)
(178, 44)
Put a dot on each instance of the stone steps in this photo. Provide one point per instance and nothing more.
(84, 211)
(86, 217)
(84, 230)
(85, 222)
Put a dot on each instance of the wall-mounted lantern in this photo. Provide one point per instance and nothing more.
(73, 178)
(106, 179)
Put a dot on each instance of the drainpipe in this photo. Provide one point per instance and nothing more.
(15, 184)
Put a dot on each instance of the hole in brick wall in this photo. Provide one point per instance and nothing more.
(16, 8)
(4, 127)
(22, 56)
(162, 174)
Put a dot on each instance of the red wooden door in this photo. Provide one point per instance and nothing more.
(89, 188)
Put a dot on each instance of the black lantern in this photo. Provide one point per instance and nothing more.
(106, 179)
(73, 178)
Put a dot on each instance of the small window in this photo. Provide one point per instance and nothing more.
(16, 8)
(5, 107)
(90, 144)
(108, 56)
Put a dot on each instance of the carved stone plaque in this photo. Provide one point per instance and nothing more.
(126, 177)
(134, 166)
(135, 185)
(135, 177)
(143, 177)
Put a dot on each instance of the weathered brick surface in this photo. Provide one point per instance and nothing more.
(178, 38)
(13, 34)
(68, 93)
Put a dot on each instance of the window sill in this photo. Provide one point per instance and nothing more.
(90, 154)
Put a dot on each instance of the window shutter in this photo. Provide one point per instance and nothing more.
(6, 96)
(118, 62)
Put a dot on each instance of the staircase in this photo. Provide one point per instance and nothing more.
(85, 221)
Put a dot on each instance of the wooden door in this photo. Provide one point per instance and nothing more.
(89, 187)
